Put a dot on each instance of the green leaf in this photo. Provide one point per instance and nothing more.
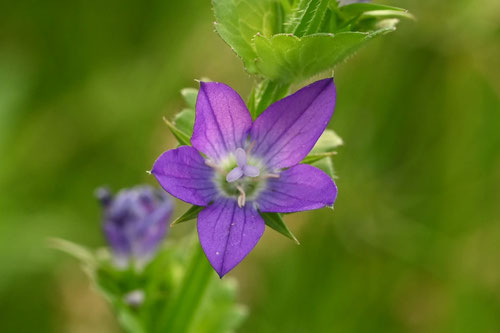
(311, 158)
(327, 142)
(188, 215)
(275, 221)
(238, 21)
(359, 8)
(86, 257)
(308, 17)
(318, 34)
(385, 14)
(287, 58)
(190, 95)
(370, 17)
(183, 138)
(326, 165)
(322, 152)
(184, 121)
(75, 250)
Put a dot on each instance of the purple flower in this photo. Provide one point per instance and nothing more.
(135, 222)
(248, 167)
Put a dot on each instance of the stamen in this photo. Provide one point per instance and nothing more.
(242, 197)
(250, 147)
(270, 175)
(214, 166)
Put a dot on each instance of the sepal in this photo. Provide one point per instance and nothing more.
(190, 214)
(275, 221)
(324, 149)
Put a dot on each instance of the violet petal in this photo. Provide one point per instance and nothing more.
(183, 173)
(288, 129)
(228, 233)
(302, 187)
(222, 120)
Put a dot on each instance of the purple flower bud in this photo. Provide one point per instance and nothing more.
(135, 222)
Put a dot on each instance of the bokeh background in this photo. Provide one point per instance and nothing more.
(414, 242)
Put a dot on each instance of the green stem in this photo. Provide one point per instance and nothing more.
(264, 94)
(185, 303)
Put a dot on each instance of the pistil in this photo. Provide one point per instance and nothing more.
(242, 197)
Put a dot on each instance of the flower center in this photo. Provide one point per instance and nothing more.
(239, 176)
(242, 169)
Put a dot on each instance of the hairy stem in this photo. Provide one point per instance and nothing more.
(187, 299)
(264, 93)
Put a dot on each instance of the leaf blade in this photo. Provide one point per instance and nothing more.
(188, 215)
(190, 95)
(327, 142)
(275, 221)
(288, 58)
(238, 21)
(182, 138)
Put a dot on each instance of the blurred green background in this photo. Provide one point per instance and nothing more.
(414, 242)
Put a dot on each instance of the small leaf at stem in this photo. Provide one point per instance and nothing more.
(275, 221)
(183, 138)
(327, 142)
(386, 14)
(184, 121)
(311, 158)
(326, 165)
(324, 148)
(77, 251)
(359, 8)
(188, 215)
(190, 95)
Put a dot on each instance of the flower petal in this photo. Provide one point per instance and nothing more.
(183, 173)
(228, 233)
(222, 120)
(288, 129)
(302, 187)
